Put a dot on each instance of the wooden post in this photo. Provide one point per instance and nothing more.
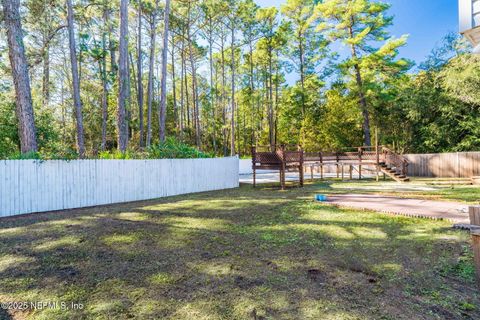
(351, 171)
(282, 179)
(301, 165)
(342, 172)
(360, 163)
(476, 250)
(377, 155)
(338, 168)
(321, 165)
(280, 175)
(282, 167)
(254, 151)
(311, 172)
(474, 212)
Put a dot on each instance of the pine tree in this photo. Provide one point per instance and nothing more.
(359, 24)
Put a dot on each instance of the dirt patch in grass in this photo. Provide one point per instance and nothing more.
(236, 254)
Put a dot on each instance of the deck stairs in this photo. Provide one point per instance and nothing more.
(392, 172)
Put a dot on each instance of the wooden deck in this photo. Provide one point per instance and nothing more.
(382, 159)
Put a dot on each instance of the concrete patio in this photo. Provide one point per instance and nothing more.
(451, 211)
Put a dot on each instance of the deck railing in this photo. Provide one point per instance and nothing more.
(395, 160)
(364, 155)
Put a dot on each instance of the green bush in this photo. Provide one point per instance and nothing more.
(170, 149)
(44, 155)
(26, 156)
(118, 155)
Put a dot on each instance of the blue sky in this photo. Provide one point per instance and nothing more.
(425, 21)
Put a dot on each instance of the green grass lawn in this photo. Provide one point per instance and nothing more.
(237, 254)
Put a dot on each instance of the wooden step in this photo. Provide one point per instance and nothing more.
(394, 174)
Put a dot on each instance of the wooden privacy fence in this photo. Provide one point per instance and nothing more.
(28, 186)
(448, 165)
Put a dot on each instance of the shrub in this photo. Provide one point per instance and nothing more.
(170, 149)
(173, 149)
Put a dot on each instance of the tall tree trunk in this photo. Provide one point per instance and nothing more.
(187, 101)
(66, 87)
(232, 133)
(46, 75)
(64, 110)
(131, 73)
(224, 105)
(140, 76)
(75, 80)
(103, 66)
(364, 106)
(182, 70)
(150, 79)
(302, 71)
(217, 102)
(196, 116)
(103, 74)
(270, 100)
(258, 100)
(301, 51)
(212, 97)
(174, 89)
(111, 44)
(252, 94)
(163, 93)
(276, 102)
(361, 94)
(123, 90)
(18, 62)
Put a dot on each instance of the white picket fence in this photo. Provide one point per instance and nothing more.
(28, 186)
